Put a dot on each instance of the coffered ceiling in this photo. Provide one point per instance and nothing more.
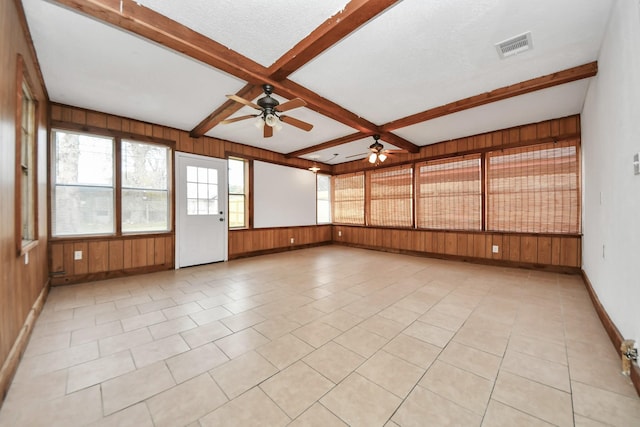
(417, 72)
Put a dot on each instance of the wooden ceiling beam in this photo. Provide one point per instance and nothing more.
(331, 31)
(225, 110)
(334, 29)
(399, 142)
(522, 88)
(333, 143)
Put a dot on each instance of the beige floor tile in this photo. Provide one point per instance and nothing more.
(252, 409)
(276, 327)
(75, 409)
(296, 388)
(361, 341)
(470, 359)
(340, 319)
(399, 315)
(547, 350)
(304, 315)
(605, 406)
(214, 301)
(490, 341)
(317, 416)
(284, 351)
(601, 374)
(162, 349)
(171, 327)
(125, 341)
(120, 314)
(134, 387)
(442, 320)
(501, 415)
(142, 320)
(24, 390)
(240, 374)
(316, 333)
(211, 315)
(413, 350)
(543, 371)
(156, 305)
(422, 405)
(94, 333)
(205, 334)
(99, 370)
(462, 387)
(429, 333)
(242, 321)
(60, 359)
(382, 326)
(47, 344)
(538, 400)
(194, 362)
(334, 361)
(581, 421)
(391, 373)
(186, 402)
(133, 416)
(360, 402)
(236, 344)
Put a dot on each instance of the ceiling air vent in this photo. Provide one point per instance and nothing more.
(515, 45)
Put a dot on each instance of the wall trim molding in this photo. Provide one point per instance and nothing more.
(612, 330)
(10, 365)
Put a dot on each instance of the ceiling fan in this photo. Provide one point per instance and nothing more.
(270, 112)
(377, 153)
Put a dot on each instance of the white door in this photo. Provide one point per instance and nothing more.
(201, 210)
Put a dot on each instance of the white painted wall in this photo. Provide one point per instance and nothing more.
(610, 137)
(283, 196)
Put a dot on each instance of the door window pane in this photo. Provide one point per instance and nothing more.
(237, 193)
(202, 191)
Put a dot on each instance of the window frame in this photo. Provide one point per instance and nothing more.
(328, 199)
(117, 138)
(24, 87)
(247, 184)
(336, 202)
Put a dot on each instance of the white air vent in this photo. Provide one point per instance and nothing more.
(515, 45)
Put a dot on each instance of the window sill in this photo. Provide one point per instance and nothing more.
(26, 248)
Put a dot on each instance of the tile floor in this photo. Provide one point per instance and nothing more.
(329, 336)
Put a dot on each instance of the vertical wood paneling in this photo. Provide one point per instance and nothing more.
(127, 254)
(544, 250)
(151, 251)
(529, 249)
(57, 257)
(81, 266)
(116, 255)
(479, 245)
(98, 257)
(514, 248)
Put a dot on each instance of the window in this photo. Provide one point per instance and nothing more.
(26, 194)
(348, 199)
(449, 194)
(534, 189)
(202, 191)
(323, 199)
(238, 211)
(392, 197)
(145, 187)
(90, 199)
(83, 192)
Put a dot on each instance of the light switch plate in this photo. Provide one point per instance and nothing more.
(495, 249)
(77, 255)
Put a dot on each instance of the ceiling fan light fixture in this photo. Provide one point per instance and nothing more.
(271, 120)
(382, 157)
(259, 123)
(372, 158)
(314, 168)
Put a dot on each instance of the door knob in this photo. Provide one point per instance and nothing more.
(221, 219)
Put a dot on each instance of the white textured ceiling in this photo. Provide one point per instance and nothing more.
(414, 56)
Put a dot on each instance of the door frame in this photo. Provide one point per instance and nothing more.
(179, 174)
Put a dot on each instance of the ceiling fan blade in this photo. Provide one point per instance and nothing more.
(290, 105)
(267, 131)
(237, 119)
(244, 101)
(297, 123)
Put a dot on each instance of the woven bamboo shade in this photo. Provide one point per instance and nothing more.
(391, 197)
(348, 198)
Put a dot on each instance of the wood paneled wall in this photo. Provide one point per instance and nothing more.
(264, 240)
(23, 280)
(110, 257)
(561, 252)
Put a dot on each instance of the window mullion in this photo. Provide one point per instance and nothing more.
(117, 183)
